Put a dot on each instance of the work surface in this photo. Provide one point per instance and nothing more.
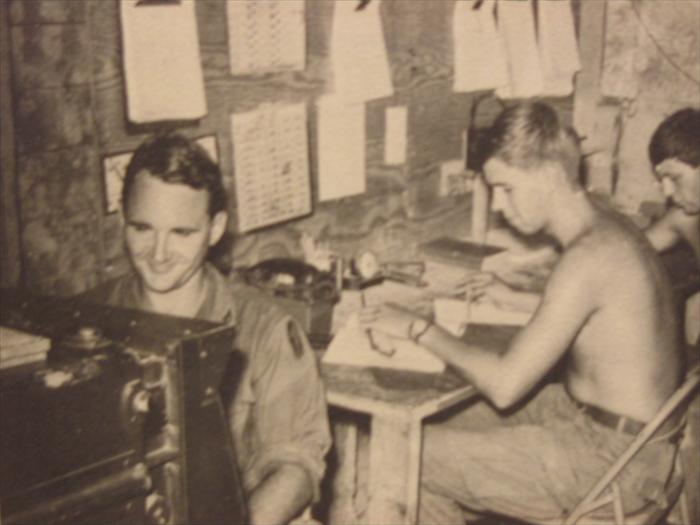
(410, 389)
(397, 402)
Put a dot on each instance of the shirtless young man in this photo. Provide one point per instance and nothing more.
(607, 312)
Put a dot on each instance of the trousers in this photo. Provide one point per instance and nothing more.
(536, 462)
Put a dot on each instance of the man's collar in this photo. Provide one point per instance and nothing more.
(218, 304)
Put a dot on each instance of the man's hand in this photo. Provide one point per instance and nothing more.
(388, 319)
(280, 497)
(487, 286)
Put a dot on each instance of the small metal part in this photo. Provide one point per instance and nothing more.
(86, 338)
(140, 402)
(89, 334)
(157, 508)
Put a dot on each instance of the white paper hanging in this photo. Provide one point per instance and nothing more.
(341, 148)
(395, 135)
(358, 53)
(479, 56)
(516, 25)
(267, 36)
(162, 66)
(558, 47)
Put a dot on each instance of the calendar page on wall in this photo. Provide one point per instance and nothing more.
(271, 164)
(266, 36)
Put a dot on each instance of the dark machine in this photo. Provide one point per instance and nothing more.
(305, 292)
(123, 421)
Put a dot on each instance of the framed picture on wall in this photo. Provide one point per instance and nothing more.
(208, 142)
(113, 171)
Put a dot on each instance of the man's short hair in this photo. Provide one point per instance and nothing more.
(530, 134)
(175, 159)
(677, 137)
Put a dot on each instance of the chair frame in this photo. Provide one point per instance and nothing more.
(595, 499)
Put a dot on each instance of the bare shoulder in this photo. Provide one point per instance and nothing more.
(612, 244)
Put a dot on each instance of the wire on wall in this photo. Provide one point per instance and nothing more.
(658, 45)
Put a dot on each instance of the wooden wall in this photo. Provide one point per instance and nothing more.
(69, 101)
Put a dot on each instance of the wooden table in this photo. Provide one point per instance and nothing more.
(397, 402)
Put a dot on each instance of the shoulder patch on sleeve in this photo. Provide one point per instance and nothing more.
(295, 339)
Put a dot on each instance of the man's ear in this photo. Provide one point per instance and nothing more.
(218, 227)
(554, 174)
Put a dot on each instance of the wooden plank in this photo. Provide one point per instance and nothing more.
(394, 468)
(10, 234)
(342, 504)
(587, 90)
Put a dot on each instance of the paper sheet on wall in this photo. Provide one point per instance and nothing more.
(341, 148)
(358, 53)
(162, 67)
(558, 47)
(479, 56)
(351, 346)
(271, 164)
(516, 25)
(396, 122)
(266, 36)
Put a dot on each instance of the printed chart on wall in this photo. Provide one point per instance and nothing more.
(266, 36)
(271, 164)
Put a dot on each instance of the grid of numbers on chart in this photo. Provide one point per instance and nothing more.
(266, 36)
(271, 165)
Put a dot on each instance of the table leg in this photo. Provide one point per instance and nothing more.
(394, 470)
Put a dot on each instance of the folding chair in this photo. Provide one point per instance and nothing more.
(607, 491)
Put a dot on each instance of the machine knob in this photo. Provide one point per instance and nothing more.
(89, 334)
(86, 339)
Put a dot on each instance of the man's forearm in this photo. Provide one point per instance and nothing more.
(280, 497)
(525, 301)
(478, 366)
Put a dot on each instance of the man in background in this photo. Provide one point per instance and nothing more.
(174, 209)
(606, 315)
(674, 151)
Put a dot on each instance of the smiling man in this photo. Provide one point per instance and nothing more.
(606, 314)
(174, 208)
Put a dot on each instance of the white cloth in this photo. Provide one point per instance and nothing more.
(516, 24)
(558, 47)
(161, 62)
(479, 55)
(360, 64)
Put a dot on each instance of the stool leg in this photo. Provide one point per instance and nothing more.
(617, 504)
(683, 497)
